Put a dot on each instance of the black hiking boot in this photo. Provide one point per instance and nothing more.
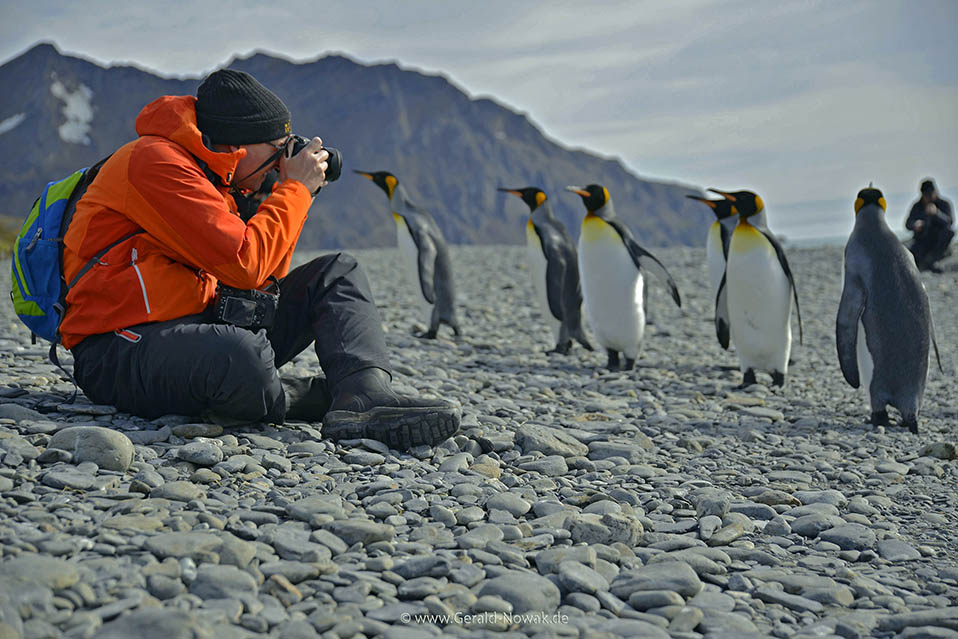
(365, 406)
(307, 399)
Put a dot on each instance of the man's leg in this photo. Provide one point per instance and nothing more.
(182, 366)
(919, 248)
(328, 301)
(939, 247)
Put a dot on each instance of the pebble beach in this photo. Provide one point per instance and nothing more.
(574, 503)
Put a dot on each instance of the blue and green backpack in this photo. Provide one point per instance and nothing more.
(39, 289)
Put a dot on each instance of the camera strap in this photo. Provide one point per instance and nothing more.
(270, 160)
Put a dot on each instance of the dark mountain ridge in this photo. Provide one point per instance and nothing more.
(451, 151)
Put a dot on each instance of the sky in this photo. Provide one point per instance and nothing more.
(804, 102)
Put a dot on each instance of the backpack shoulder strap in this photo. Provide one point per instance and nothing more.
(78, 191)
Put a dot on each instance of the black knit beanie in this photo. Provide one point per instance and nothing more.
(233, 108)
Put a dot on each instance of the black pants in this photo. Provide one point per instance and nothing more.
(930, 246)
(189, 366)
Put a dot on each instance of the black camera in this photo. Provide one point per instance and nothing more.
(247, 308)
(335, 161)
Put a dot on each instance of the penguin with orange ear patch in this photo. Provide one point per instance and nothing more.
(612, 267)
(424, 255)
(884, 326)
(718, 239)
(753, 305)
(554, 269)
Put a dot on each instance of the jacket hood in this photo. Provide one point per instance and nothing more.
(174, 117)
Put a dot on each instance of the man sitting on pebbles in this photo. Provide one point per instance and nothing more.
(139, 321)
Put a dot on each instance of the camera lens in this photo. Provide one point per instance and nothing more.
(334, 163)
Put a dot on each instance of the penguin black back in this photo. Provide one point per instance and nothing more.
(882, 294)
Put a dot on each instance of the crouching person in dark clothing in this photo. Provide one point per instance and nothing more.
(930, 219)
(139, 321)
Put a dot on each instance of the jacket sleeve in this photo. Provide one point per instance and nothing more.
(944, 209)
(174, 201)
(917, 213)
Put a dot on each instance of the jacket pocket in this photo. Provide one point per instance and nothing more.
(139, 275)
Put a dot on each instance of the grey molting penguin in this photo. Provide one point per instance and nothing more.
(554, 269)
(424, 255)
(884, 326)
(612, 267)
(753, 305)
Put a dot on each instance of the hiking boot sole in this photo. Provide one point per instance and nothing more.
(399, 428)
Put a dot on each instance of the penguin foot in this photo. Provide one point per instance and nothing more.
(778, 379)
(629, 364)
(613, 363)
(430, 334)
(562, 348)
(879, 418)
(911, 423)
(747, 379)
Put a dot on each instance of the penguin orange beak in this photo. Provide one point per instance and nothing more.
(727, 196)
(368, 176)
(578, 190)
(708, 202)
(513, 191)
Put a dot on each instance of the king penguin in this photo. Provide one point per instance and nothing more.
(612, 267)
(754, 300)
(884, 326)
(554, 268)
(717, 241)
(425, 255)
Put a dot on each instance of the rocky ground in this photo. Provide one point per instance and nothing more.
(575, 502)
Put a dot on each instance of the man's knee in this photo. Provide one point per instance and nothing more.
(243, 381)
(336, 265)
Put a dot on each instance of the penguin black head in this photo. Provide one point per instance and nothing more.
(867, 196)
(383, 179)
(533, 196)
(744, 203)
(594, 196)
(721, 208)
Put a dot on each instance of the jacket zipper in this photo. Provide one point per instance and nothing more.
(136, 268)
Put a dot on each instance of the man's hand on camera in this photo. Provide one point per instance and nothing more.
(308, 166)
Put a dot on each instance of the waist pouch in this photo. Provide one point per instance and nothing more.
(246, 308)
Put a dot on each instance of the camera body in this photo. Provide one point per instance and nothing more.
(247, 308)
(335, 161)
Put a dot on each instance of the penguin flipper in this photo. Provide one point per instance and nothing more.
(649, 262)
(850, 310)
(556, 266)
(643, 259)
(721, 314)
(427, 263)
(726, 240)
(780, 252)
(934, 343)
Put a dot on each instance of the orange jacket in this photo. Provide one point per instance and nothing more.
(193, 235)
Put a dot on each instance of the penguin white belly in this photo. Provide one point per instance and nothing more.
(866, 366)
(409, 257)
(611, 288)
(715, 259)
(538, 267)
(759, 302)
